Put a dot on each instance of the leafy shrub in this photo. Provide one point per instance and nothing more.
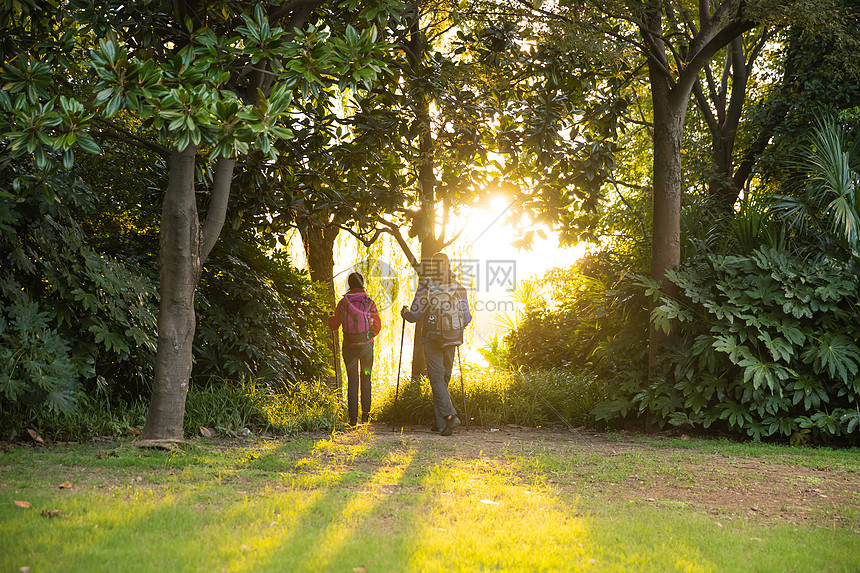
(766, 347)
(259, 318)
(77, 323)
(236, 408)
(71, 320)
(594, 308)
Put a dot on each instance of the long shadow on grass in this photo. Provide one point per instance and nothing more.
(208, 525)
(320, 540)
(408, 517)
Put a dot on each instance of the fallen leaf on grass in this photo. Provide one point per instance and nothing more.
(65, 485)
(51, 513)
(489, 502)
(24, 569)
(207, 433)
(36, 437)
(360, 568)
(132, 431)
(23, 504)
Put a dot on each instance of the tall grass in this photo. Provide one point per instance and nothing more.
(493, 398)
(497, 397)
(95, 417)
(231, 408)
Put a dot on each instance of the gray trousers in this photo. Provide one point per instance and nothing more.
(440, 364)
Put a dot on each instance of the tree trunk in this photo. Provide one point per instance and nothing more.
(179, 272)
(425, 221)
(319, 249)
(429, 247)
(670, 107)
(670, 96)
(721, 186)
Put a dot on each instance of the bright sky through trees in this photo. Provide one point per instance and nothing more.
(486, 257)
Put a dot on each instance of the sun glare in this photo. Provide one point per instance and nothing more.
(490, 263)
(499, 202)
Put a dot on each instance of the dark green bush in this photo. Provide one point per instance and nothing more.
(258, 318)
(72, 321)
(767, 346)
(77, 323)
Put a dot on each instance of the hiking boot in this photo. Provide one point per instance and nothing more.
(450, 424)
(435, 429)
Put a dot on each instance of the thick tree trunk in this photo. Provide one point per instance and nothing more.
(319, 249)
(719, 25)
(179, 271)
(426, 222)
(670, 108)
(183, 248)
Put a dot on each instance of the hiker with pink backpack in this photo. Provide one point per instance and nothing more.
(357, 314)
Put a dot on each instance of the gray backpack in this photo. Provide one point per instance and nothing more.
(444, 318)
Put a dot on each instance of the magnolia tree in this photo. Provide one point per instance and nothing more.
(204, 85)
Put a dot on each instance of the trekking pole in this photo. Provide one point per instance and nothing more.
(399, 362)
(463, 387)
(338, 376)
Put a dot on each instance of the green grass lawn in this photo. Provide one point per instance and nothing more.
(373, 500)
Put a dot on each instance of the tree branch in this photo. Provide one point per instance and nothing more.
(394, 230)
(632, 210)
(740, 79)
(718, 41)
(121, 134)
(217, 213)
(708, 114)
(531, 7)
(453, 239)
(366, 242)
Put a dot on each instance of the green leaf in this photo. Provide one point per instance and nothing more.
(779, 348)
(12, 387)
(88, 144)
(838, 355)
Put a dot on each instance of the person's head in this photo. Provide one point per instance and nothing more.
(355, 280)
(440, 267)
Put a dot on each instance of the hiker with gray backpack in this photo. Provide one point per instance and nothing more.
(357, 314)
(443, 305)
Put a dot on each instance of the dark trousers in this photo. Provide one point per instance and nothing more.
(440, 364)
(359, 363)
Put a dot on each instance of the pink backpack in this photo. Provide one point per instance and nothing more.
(357, 320)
